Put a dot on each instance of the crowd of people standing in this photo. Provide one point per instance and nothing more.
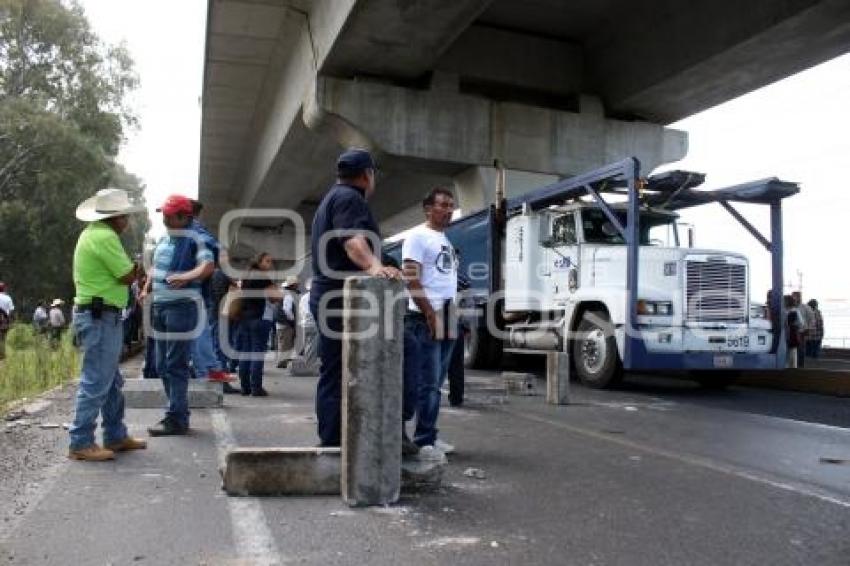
(804, 330)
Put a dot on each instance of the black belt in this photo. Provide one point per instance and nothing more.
(413, 314)
(106, 308)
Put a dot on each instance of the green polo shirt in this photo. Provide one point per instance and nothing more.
(99, 261)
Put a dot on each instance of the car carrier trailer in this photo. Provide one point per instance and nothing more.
(570, 267)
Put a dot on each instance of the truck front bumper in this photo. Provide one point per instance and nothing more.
(679, 348)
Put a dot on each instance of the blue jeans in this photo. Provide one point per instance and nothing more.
(204, 359)
(172, 355)
(215, 328)
(426, 362)
(254, 343)
(329, 388)
(100, 381)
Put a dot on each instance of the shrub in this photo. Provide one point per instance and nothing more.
(32, 366)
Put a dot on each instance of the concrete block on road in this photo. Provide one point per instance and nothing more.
(372, 347)
(148, 394)
(282, 471)
(421, 477)
(557, 378)
(517, 383)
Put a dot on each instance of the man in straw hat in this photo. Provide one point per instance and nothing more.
(56, 321)
(102, 273)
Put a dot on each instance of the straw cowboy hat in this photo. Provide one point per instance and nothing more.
(107, 203)
(57, 303)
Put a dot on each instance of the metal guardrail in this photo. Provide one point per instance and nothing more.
(832, 342)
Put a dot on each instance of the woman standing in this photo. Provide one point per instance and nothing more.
(254, 330)
(793, 329)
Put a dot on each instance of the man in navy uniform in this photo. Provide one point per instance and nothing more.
(343, 242)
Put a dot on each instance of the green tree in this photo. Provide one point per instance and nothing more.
(62, 119)
(50, 56)
(54, 167)
(134, 237)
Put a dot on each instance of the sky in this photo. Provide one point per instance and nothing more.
(797, 129)
(166, 40)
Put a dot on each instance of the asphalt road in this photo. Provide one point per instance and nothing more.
(659, 472)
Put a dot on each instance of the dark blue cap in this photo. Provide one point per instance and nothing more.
(354, 160)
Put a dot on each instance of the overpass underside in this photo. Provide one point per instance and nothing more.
(439, 89)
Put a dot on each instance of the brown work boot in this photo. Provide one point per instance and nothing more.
(129, 443)
(93, 453)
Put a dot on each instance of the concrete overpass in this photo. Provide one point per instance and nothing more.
(440, 88)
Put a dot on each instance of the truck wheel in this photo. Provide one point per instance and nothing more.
(474, 351)
(494, 352)
(595, 352)
(481, 351)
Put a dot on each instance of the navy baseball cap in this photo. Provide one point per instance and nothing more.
(354, 160)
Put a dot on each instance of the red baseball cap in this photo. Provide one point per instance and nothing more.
(176, 204)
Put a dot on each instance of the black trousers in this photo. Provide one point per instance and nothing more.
(329, 388)
(456, 372)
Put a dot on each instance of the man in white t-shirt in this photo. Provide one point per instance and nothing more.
(8, 308)
(430, 269)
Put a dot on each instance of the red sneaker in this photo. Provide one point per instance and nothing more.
(218, 376)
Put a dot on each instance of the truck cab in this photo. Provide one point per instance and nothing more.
(565, 289)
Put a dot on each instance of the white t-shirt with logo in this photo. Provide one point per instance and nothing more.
(433, 251)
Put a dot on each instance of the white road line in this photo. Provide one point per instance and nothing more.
(794, 487)
(251, 534)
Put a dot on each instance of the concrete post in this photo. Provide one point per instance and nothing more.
(372, 349)
(557, 378)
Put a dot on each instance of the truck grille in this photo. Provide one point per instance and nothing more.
(716, 291)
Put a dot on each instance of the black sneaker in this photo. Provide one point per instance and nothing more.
(167, 427)
(259, 393)
(229, 389)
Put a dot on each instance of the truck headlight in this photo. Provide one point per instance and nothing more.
(651, 308)
(645, 307)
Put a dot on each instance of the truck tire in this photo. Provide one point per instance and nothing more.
(595, 353)
(481, 351)
(494, 352)
(474, 348)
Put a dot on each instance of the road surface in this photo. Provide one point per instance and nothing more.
(659, 472)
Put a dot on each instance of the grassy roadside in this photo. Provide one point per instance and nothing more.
(32, 366)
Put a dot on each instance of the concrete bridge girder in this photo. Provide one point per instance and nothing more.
(455, 133)
(549, 87)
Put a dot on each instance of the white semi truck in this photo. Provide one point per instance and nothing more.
(578, 267)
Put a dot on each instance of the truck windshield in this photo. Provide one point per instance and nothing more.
(599, 230)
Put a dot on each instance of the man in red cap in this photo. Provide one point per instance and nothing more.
(181, 262)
